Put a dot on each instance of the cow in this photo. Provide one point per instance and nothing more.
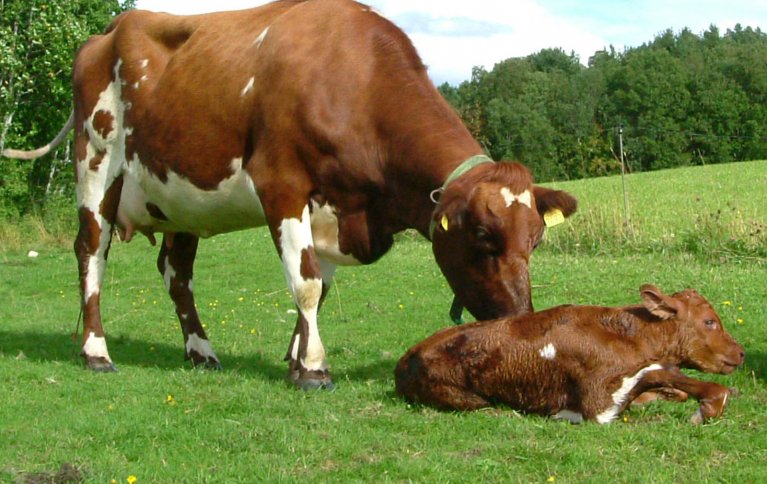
(315, 118)
(576, 362)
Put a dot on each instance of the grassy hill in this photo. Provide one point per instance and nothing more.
(160, 421)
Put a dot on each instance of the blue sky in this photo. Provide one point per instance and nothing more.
(454, 36)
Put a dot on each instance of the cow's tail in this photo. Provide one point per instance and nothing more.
(44, 150)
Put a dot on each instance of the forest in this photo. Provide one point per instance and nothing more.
(681, 99)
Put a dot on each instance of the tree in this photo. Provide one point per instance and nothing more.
(38, 40)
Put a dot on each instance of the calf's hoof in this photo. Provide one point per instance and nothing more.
(710, 408)
(99, 364)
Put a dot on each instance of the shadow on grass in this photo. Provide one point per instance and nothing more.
(126, 352)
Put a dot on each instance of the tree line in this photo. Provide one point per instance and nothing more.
(680, 99)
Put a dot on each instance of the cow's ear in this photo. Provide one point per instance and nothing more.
(657, 303)
(451, 215)
(554, 205)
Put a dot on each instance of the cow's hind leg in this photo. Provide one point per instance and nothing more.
(175, 263)
(92, 249)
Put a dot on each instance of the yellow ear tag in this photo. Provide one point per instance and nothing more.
(443, 222)
(553, 217)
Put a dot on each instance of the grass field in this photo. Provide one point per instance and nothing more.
(160, 421)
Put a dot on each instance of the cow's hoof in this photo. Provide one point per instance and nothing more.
(207, 364)
(313, 380)
(99, 364)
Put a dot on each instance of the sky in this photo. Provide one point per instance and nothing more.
(452, 37)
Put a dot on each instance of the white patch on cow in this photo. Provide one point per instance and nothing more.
(144, 63)
(261, 37)
(190, 285)
(295, 237)
(96, 346)
(200, 346)
(184, 316)
(325, 234)
(94, 276)
(248, 87)
(548, 352)
(524, 198)
(93, 184)
(573, 417)
(169, 273)
(621, 394)
(232, 205)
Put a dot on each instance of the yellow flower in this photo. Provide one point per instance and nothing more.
(402, 306)
(551, 479)
(727, 303)
(241, 298)
(740, 320)
(170, 400)
(132, 479)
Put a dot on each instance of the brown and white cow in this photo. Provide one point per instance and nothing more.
(576, 362)
(315, 118)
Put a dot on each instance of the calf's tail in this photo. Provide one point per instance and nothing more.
(44, 150)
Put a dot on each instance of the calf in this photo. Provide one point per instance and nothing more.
(576, 362)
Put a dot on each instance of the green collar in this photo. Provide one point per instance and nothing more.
(460, 170)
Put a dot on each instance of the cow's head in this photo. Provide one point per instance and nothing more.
(703, 341)
(488, 221)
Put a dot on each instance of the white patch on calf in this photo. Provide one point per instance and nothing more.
(524, 198)
(573, 417)
(201, 346)
(261, 37)
(548, 352)
(621, 394)
(248, 87)
(96, 346)
(324, 224)
(144, 63)
(295, 237)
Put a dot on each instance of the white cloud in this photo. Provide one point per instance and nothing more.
(452, 37)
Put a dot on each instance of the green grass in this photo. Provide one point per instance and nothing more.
(246, 424)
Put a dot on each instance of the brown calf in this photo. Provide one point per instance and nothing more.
(576, 362)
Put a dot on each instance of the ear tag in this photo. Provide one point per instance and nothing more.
(443, 222)
(553, 217)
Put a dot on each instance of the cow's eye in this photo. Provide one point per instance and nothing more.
(486, 241)
(710, 323)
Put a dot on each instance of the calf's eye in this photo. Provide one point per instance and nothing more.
(710, 323)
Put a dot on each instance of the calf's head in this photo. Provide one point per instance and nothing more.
(488, 221)
(704, 343)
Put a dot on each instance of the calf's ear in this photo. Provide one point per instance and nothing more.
(549, 201)
(658, 303)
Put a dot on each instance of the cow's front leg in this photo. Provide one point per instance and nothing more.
(175, 263)
(308, 366)
(309, 380)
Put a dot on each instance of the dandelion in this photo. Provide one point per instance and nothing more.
(401, 306)
(740, 320)
(241, 298)
(132, 479)
(727, 303)
(170, 400)
(551, 479)
(740, 308)
(625, 419)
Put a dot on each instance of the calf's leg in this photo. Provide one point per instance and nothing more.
(175, 263)
(711, 396)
